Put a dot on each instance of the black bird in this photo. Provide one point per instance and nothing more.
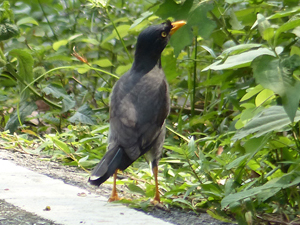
(139, 105)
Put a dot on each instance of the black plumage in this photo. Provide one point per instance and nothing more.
(139, 105)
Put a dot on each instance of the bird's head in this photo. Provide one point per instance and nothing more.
(152, 41)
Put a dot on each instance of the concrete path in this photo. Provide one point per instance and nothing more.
(69, 205)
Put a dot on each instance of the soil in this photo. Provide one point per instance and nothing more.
(10, 214)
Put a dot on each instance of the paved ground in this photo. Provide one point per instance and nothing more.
(42, 166)
(34, 192)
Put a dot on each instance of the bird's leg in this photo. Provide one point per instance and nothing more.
(114, 195)
(156, 197)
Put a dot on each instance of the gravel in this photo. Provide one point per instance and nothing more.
(10, 214)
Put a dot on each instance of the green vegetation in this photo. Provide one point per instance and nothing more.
(232, 146)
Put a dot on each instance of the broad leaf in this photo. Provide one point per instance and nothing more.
(83, 115)
(103, 62)
(285, 27)
(234, 22)
(122, 30)
(27, 20)
(59, 92)
(268, 120)
(56, 45)
(62, 145)
(25, 67)
(277, 75)
(284, 13)
(168, 62)
(144, 15)
(275, 184)
(198, 19)
(134, 188)
(251, 92)
(238, 49)
(26, 108)
(241, 60)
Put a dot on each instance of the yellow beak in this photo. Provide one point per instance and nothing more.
(176, 25)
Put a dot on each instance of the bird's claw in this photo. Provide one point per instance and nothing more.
(114, 198)
(159, 205)
(155, 202)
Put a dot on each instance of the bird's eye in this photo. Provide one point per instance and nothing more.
(164, 34)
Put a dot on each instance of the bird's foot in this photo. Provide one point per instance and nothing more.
(114, 198)
(156, 203)
(117, 198)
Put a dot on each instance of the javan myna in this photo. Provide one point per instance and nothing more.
(139, 105)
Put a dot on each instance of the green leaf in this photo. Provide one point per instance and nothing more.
(25, 69)
(237, 162)
(284, 13)
(181, 38)
(169, 65)
(191, 148)
(285, 27)
(264, 96)
(123, 68)
(274, 185)
(234, 22)
(268, 120)
(83, 69)
(27, 20)
(238, 49)
(233, 1)
(198, 19)
(134, 188)
(123, 31)
(59, 92)
(218, 216)
(169, 8)
(251, 92)
(26, 108)
(56, 45)
(241, 60)
(71, 38)
(62, 145)
(83, 115)
(185, 202)
(268, 34)
(276, 75)
(144, 16)
(103, 62)
(262, 23)
(90, 40)
(8, 30)
(253, 145)
(99, 3)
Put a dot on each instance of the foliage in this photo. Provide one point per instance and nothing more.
(232, 146)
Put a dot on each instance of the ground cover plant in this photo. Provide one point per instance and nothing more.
(232, 146)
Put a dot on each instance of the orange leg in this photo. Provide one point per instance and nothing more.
(156, 197)
(114, 195)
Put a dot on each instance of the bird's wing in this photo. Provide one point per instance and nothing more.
(137, 111)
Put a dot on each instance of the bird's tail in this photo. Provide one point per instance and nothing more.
(107, 166)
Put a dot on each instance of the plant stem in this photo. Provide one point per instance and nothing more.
(194, 78)
(121, 39)
(48, 21)
(179, 135)
(206, 93)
